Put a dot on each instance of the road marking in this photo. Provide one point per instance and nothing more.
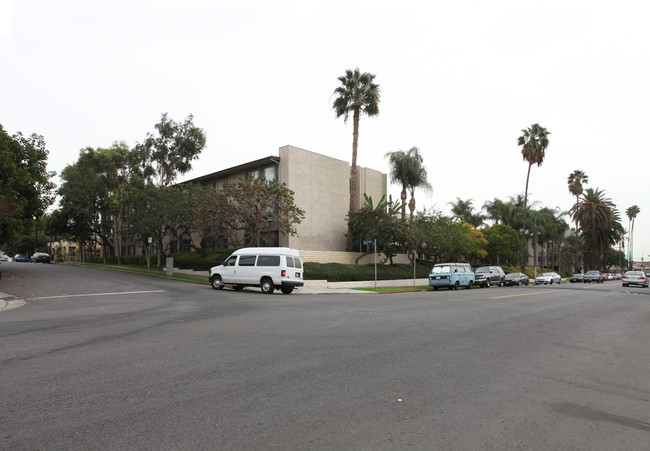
(526, 294)
(99, 294)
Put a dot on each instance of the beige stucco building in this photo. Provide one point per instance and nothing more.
(321, 188)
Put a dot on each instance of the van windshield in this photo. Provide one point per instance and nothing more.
(441, 269)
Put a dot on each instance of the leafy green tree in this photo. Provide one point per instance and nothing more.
(26, 187)
(631, 213)
(244, 210)
(502, 244)
(358, 94)
(170, 152)
(533, 142)
(380, 222)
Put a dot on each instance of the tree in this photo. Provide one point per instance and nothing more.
(379, 222)
(599, 222)
(576, 179)
(244, 211)
(502, 244)
(406, 169)
(463, 210)
(170, 152)
(26, 187)
(631, 213)
(533, 142)
(357, 94)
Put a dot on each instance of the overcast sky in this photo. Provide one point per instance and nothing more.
(459, 79)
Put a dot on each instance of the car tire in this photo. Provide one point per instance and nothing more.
(267, 286)
(455, 286)
(286, 290)
(487, 283)
(470, 285)
(624, 285)
(216, 282)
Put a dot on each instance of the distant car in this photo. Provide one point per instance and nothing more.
(489, 275)
(21, 258)
(593, 276)
(40, 257)
(577, 277)
(0, 271)
(516, 278)
(548, 278)
(635, 278)
(4, 258)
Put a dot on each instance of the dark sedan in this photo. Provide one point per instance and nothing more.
(578, 277)
(516, 278)
(40, 257)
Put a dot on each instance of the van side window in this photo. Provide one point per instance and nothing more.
(231, 261)
(461, 268)
(247, 260)
(289, 261)
(268, 260)
(298, 262)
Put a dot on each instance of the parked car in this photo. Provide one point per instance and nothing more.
(548, 278)
(593, 276)
(635, 278)
(0, 271)
(577, 277)
(489, 275)
(21, 258)
(516, 278)
(452, 276)
(265, 267)
(40, 257)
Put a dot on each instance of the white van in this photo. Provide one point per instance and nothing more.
(265, 267)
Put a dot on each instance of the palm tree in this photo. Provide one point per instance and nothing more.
(599, 222)
(575, 181)
(631, 213)
(406, 169)
(357, 94)
(416, 177)
(399, 162)
(533, 142)
(463, 210)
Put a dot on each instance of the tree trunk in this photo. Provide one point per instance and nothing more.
(523, 232)
(353, 172)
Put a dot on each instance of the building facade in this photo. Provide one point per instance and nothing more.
(321, 188)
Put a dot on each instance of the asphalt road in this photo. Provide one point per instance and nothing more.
(99, 359)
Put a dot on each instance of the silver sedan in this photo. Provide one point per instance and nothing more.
(548, 278)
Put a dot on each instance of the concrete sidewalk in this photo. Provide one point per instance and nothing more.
(8, 302)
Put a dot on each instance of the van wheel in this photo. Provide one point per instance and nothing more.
(456, 285)
(470, 285)
(286, 290)
(238, 287)
(216, 282)
(267, 286)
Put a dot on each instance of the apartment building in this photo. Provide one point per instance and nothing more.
(321, 188)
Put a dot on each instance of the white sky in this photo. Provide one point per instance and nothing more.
(458, 79)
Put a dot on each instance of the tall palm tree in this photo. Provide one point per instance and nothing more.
(533, 142)
(631, 213)
(357, 94)
(576, 179)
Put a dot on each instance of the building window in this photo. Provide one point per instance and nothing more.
(252, 175)
(270, 173)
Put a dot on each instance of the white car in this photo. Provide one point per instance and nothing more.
(548, 278)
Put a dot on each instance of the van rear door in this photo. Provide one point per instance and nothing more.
(294, 269)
